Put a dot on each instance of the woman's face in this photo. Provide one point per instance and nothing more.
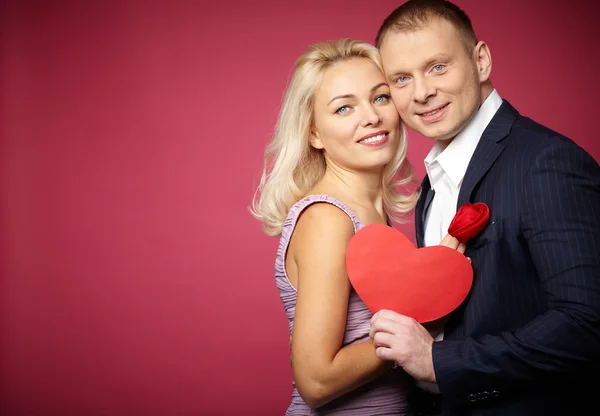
(355, 121)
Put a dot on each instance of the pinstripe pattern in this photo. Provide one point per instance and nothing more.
(529, 332)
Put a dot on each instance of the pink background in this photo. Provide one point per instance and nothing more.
(133, 279)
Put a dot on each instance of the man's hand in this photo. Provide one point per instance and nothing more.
(403, 340)
(453, 243)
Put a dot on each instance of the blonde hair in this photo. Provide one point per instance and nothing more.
(292, 167)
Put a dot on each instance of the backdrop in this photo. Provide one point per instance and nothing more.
(133, 279)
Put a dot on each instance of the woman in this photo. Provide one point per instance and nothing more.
(332, 168)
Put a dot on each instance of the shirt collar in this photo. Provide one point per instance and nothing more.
(454, 158)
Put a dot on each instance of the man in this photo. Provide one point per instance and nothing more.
(526, 341)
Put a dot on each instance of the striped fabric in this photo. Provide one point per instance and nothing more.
(526, 341)
(386, 395)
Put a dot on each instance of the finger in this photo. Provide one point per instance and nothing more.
(384, 353)
(470, 261)
(461, 248)
(387, 320)
(450, 242)
(375, 327)
(383, 339)
(394, 327)
(382, 313)
(386, 314)
(374, 317)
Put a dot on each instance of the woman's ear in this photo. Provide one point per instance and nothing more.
(315, 141)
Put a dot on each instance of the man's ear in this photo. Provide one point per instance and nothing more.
(483, 60)
(315, 141)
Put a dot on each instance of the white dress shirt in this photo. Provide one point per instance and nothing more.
(446, 167)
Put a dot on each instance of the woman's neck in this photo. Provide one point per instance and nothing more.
(362, 189)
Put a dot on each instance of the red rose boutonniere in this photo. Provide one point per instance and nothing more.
(469, 221)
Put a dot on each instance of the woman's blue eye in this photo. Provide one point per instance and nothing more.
(342, 110)
(382, 98)
(402, 79)
(438, 68)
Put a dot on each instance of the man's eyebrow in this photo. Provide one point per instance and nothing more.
(436, 58)
(381, 84)
(394, 74)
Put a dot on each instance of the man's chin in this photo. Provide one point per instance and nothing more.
(445, 138)
(435, 133)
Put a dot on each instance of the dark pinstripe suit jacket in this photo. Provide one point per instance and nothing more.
(526, 341)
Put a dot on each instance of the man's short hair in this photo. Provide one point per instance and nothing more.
(414, 14)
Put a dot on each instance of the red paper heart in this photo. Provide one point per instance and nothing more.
(389, 272)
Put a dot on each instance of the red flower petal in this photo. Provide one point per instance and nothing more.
(469, 221)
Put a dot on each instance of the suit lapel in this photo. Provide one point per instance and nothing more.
(421, 210)
(487, 151)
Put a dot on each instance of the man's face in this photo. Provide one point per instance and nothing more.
(436, 84)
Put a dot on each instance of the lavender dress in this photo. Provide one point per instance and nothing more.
(386, 395)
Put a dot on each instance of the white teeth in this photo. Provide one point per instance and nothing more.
(431, 112)
(373, 139)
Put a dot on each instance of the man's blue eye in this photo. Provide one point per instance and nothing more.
(438, 67)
